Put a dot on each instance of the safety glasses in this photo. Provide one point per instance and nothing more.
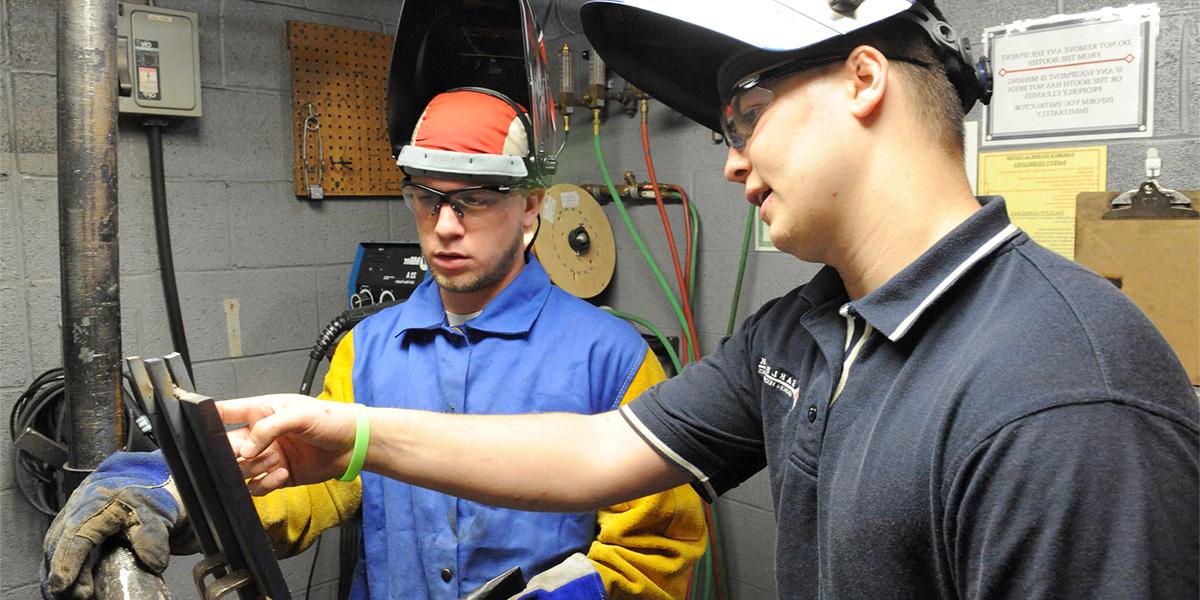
(470, 202)
(751, 96)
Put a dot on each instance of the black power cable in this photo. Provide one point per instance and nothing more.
(325, 341)
(330, 334)
(312, 569)
(40, 413)
(37, 408)
(162, 235)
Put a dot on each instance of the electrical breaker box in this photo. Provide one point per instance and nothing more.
(158, 61)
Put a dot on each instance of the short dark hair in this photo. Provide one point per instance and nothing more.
(938, 104)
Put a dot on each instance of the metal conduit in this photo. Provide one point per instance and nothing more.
(87, 221)
(91, 309)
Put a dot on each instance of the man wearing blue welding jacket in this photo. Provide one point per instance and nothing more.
(487, 333)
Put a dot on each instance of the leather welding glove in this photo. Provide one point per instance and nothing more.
(572, 579)
(130, 494)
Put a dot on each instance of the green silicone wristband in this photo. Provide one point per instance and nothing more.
(362, 438)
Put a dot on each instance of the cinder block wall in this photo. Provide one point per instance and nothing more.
(239, 233)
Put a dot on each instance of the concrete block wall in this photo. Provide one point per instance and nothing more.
(239, 233)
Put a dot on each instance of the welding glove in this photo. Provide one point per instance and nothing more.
(130, 494)
(575, 578)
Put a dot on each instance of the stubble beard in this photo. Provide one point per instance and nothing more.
(473, 282)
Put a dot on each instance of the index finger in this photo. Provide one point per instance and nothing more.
(266, 430)
(249, 410)
(243, 410)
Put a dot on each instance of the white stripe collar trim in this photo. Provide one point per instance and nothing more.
(954, 276)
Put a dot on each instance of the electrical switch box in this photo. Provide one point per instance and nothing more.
(158, 61)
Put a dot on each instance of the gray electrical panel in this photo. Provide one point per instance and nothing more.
(158, 55)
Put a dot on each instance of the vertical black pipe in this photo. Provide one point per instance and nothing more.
(87, 229)
(162, 234)
(87, 199)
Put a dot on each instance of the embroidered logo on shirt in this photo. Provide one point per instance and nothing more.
(780, 380)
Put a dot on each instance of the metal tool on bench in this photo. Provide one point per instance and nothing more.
(238, 556)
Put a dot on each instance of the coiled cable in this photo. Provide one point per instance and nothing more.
(42, 410)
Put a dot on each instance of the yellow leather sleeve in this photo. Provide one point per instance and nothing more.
(294, 517)
(645, 548)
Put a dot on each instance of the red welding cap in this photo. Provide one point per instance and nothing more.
(472, 134)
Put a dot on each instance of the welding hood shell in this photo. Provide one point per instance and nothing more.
(494, 44)
(688, 53)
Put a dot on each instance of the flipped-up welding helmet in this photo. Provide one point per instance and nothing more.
(691, 54)
(493, 46)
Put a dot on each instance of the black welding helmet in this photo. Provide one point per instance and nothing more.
(490, 44)
(691, 54)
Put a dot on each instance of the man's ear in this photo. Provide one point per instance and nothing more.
(533, 205)
(869, 73)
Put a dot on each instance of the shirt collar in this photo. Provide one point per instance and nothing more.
(512, 311)
(895, 307)
(826, 286)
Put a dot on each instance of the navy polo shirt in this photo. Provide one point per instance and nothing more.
(995, 421)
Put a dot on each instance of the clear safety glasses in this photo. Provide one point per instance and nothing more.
(467, 203)
(751, 96)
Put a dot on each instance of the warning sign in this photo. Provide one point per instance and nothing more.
(1072, 77)
(1040, 186)
(146, 58)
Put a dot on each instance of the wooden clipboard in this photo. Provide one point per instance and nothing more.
(1155, 261)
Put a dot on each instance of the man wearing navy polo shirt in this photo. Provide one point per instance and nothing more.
(947, 410)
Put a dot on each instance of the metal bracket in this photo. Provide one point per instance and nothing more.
(221, 585)
(229, 583)
(1149, 202)
(211, 565)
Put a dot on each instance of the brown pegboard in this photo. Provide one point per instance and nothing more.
(342, 73)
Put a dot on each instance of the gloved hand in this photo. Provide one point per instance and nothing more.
(129, 494)
(575, 578)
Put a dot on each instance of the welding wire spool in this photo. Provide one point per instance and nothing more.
(576, 244)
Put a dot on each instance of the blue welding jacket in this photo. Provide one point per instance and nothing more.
(533, 349)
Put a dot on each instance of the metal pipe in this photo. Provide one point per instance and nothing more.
(119, 576)
(87, 225)
(87, 197)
